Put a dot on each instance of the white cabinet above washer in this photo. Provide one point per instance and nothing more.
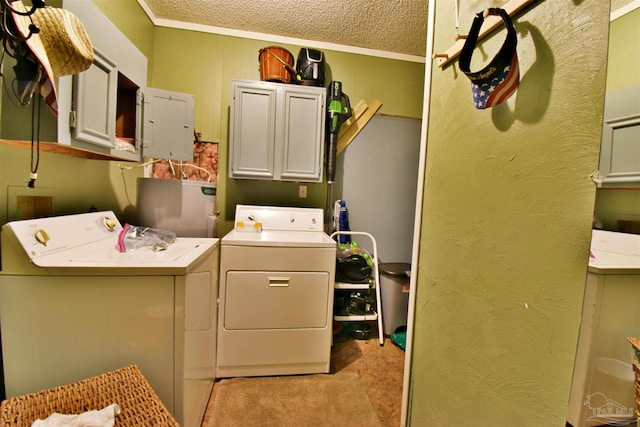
(276, 131)
(109, 109)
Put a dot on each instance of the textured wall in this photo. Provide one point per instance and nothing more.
(506, 226)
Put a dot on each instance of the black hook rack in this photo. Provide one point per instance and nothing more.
(491, 23)
(8, 26)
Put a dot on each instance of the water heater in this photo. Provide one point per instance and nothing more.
(182, 206)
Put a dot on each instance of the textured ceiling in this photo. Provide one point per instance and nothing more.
(617, 4)
(394, 26)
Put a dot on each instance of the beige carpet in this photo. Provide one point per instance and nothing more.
(305, 400)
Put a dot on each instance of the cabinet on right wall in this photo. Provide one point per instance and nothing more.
(276, 131)
(620, 149)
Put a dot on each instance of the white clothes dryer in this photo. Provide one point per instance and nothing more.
(277, 272)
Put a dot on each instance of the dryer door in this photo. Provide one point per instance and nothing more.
(276, 300)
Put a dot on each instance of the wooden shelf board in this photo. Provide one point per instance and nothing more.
(54, 147)
(364, 113)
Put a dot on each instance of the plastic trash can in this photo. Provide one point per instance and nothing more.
(394, 293)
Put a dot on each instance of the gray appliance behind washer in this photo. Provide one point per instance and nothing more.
(182, 206)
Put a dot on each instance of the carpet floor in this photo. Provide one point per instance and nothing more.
(380, 369)
(293, 401)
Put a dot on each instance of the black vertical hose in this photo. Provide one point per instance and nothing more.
(332, 157)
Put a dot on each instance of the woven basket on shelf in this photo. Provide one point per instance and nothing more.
(139, 404)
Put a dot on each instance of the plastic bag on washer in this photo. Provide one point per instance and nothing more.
(132, 237)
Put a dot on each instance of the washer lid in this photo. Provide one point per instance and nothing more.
(180, 254)
(89, 240)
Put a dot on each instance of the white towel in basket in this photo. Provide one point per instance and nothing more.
(103, 418)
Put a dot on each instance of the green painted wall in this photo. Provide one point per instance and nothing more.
(506, 224)
(204, 64)
(624, 61)
(132, 21)
(75, 184)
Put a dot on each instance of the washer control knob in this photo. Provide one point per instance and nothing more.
(42, 237)
(109, 224)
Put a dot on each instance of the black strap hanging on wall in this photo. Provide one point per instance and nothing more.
(35, 145)
(512, 7)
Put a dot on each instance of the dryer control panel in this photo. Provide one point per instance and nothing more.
(257, 218)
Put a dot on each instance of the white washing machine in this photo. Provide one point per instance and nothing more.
(73, 306)
(602, 389)
(277, 270)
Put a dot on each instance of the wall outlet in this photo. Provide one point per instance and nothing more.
(302, 191)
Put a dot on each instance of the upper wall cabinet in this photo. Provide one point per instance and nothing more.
(620, 149)
(276, 131)
(108, 107)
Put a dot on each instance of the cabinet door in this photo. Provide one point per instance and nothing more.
(94, 98)
(168, 125)
(302, 135)
(252, 133)
(620, 150)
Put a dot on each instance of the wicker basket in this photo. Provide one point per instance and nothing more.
(635, 361)
(139, 404)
